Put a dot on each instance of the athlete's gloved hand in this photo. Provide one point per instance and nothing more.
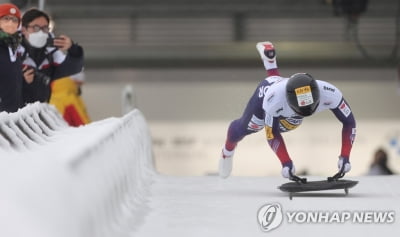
(288, 170)
(344, 165)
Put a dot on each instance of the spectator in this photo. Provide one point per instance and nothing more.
(66, 98)
(45, 57)
(10, 62)
(379, 164)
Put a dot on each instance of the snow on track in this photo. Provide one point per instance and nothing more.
(210, 206)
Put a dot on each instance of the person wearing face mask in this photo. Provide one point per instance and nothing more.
(45, 58)
(10, 62)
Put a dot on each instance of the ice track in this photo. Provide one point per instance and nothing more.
(210, 206)
(99, 181)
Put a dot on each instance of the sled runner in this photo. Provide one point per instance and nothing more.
(303, 185)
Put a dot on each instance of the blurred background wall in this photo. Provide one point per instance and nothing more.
(192, 66)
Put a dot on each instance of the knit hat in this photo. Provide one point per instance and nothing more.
(9, 9)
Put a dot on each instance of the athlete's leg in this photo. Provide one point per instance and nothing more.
(252, 119)
(249, 123)
(236, 132)
(240, 128)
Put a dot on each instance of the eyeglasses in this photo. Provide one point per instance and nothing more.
(14, 19)
(37, 28)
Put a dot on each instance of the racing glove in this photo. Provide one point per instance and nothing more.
(288, 170)
(344, 165)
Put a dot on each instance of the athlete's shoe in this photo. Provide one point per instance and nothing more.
(225, 164)
(267, 51)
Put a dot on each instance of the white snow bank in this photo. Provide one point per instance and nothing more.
(57, 180)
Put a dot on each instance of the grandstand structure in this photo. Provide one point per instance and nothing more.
(177, 33)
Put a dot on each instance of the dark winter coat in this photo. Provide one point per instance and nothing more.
(10, 78)
(48, 67)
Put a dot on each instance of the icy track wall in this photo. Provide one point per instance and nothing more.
(57, 180)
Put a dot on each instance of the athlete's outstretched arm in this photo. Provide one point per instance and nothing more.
(276, 142)
(345, 115)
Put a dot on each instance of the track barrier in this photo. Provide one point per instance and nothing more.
(58, 180)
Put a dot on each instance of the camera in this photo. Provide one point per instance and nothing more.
(42, 77)
(38, 75)
(50, 41)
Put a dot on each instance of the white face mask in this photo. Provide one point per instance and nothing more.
(38, 39)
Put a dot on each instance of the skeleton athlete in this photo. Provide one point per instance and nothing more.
(279, 105)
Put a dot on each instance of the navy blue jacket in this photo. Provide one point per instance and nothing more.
(10, 80)
(39, 89)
